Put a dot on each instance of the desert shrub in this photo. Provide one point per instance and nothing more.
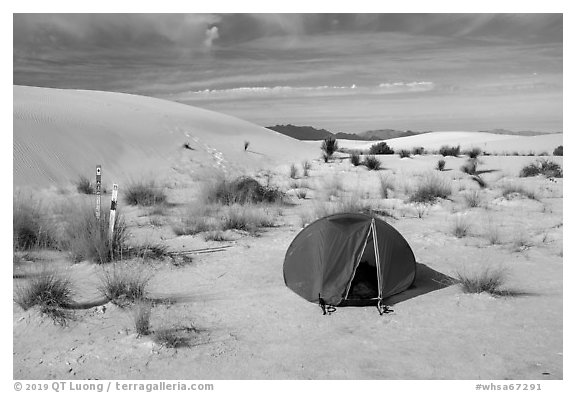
(171, 338)
(144, 194)
(487, 280)
(306, 166)
(450, 150)
(31, 227)
(558, 151)
(121, 284)
(418, 151)
(47, 290)
(84, 186)
(371, 162)
(386, 184)
(432, 187)
(355, 158)
(241, 190)
(86, 237)
(197, 219)
(293, 171)
(381, 148)
(473, 198)
(510, 189)
(141, 315)
(470, 166)
(460, 226)
(248, 218)
(329, 147)
(474, 152)
(404, 153)
(440, 165)
(544, 167)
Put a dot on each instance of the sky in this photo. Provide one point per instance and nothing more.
(342, 72)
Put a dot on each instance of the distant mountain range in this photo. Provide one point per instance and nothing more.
(308, 133)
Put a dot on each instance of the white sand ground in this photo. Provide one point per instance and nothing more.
(249, 325)
(490, 143)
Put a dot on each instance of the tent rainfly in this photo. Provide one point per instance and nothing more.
(349, 259)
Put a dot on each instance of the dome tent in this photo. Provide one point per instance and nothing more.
(349, 258)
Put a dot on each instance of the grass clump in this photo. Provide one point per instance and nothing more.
(404, 153)
(241, 190)
(386, 184)
(329, 147)
(450, 151)
(50, 291)
(84, 186)
(372, 163)
(473, 198)
(171, 338)
(431, 188)
(141, 315)
(144, 194)
(460, 226)
(381, 148)
(306, 166)
(440, 165)
(418, 151)
(544, 167)
(87, 238)
(293, 171)
(510, 190)
(558, 151)
(488, 280)
(122, 285)
(355, 158)
(247, 218)
(31, 228)
(470, 166)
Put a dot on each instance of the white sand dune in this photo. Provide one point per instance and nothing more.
(493, 143)
(62, 134)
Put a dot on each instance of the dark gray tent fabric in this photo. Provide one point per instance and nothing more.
(323, 258)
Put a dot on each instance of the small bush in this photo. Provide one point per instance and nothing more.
(84, 186)
(31, 228)
(86, 237)
(440, 165)
(404, 153)
(171, 338)
(124, 284)
(329, 147)
(47, 289)
(242, 190)
(460, 226)
(371, 163)
(450, 150)
(248, 218)
(418, 151)
(431, 188)
(144, 194)
(489, 281)
(509, 190)
(141, 314)
(558, 151)
(293, 171)
(381, 148)
(355, 158)
(473, 198)
(470, 166)
(474, 152)
(544, 167)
